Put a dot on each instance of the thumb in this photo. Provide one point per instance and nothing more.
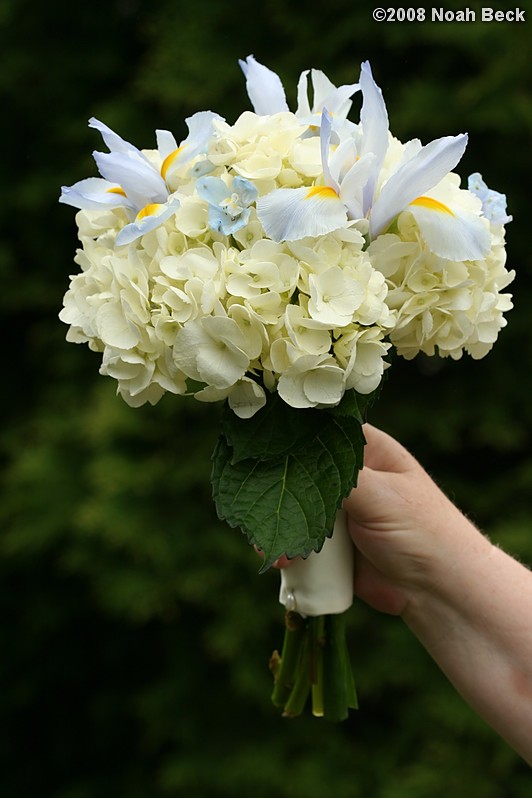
(367, 503)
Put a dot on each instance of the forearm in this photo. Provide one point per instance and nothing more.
(475, 619)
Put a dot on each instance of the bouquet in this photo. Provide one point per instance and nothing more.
(272, 264)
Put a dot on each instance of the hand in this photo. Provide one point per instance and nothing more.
(403, 527)
(466, 600)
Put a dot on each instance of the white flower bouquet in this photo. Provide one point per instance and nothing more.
(272, 264)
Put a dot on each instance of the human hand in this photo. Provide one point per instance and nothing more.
(404, 528)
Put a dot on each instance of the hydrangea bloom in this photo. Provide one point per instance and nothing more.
(285, 252)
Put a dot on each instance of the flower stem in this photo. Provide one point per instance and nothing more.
(285, 669)
(339, 687)
(301, 689)
(317, 636)
(315, 662)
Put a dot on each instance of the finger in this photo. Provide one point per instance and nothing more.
(281, 562)
(384, 453)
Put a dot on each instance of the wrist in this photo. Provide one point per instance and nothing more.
(450, 576)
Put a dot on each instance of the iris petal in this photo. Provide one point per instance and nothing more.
(289, 214)
(144, 223)
(140, 180)
(414, 178)
(93, 193)
(337, 100)
(452, 236)
(264, 87)
(374, 120)
(112, 140)
(353, 184)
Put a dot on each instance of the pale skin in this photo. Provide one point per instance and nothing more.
(468, 602)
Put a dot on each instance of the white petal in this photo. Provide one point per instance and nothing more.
(325, 141)
(289, 214)
(212, 189)
(312, 381)
(200, 129)
(303, 105)
(221, 365)
(450, 235)
(114, 328)
(189, 341)
(93, 193)
(334, 297)
(199, 132)
(211, 394)
(414, 178)
(151, 221)
(112, 139)
(374, 120)
(353, 185)
(140, 180)
(166, 143)
(325, 385)
(493, 202)
(264, 87)
(326, 95)
(342, 159)
(246, 398)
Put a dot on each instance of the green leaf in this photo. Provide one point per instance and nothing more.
(275, 430)
(286, 505)
(355, 404)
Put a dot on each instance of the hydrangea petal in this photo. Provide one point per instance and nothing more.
(311, 381)
(246, 398)
(245, 189)
(493, 202)
(212, 189)
(334, 297)
(114, 328)
(325, 385)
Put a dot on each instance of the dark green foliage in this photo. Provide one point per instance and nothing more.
(284, 490)
(135, 629)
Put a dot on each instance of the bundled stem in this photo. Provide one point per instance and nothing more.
(314, 662)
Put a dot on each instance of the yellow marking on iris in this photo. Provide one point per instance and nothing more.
(117, 190)
(432, 205)
(148, 210)
(322, 191)
(168, 161)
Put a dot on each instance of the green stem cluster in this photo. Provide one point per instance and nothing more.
(314, 663)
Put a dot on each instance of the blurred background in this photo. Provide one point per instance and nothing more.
(135, 630)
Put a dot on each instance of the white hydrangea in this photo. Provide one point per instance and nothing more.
(184, 308)
(285, 252)
(444, 306)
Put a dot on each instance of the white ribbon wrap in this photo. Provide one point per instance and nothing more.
(323, 583)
